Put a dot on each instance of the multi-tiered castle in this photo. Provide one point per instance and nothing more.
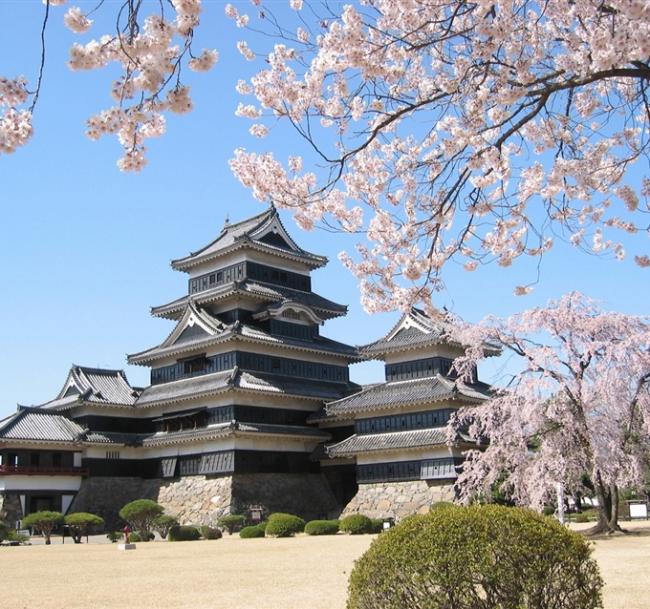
(249, 405)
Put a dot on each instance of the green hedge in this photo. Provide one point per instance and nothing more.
(232, 523)
(284, 525)
(210, 533)
(322, 527)
(251, 532)
(357, 524)
(184, 533)
(477, 557)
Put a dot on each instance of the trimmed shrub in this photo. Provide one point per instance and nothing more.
(440, 505)
(262, 525)
(115, 536)
(134, 537)
(284, 525)
(17, 537)
(322, 527)
(477, 556)
(45, 522)
(251, 532)
(161, 524)
(184, 533)
(4, 530)
(210, 533)
(140, 514)
(357, 524)
(81, 522)
(232, 523)
(377, 525)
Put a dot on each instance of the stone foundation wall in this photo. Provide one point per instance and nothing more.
(10, 509)
(307, 495)
(203, 500)
(398, 499)
(196, 499)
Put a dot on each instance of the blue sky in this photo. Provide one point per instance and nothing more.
(85, 249)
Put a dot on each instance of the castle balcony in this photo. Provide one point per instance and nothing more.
(35, 470)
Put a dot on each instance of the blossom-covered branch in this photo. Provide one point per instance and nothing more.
(151, 51)
(453, 130)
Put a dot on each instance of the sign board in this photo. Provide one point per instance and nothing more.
(638, 510)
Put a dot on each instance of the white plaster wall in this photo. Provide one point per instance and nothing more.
(35, 483)
(441, 452)
(421, 353)
(230, 443)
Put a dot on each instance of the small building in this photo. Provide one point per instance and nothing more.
(399, 441)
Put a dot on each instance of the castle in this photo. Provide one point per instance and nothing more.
(249, 405)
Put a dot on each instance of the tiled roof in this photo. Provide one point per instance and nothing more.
(243, 233)
(241, 332)
(233, 428)
(395, 440)
(290, 386)
(414, 329)
(236, 379)
(266, 292)
(96, 386)
(44, 426)
(383, 396)
(186, 389)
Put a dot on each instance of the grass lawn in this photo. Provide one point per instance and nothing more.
(301, 573)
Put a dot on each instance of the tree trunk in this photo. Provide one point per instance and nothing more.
(607, 509)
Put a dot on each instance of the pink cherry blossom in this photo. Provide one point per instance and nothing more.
(579, 405)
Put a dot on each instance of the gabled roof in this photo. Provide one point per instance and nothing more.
(395, 394)
(198, 330)
(95, 386)
(414, 329)
(262, 291)
(263, 232)
(40, 425)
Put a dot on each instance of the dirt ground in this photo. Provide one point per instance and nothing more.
(231, 573)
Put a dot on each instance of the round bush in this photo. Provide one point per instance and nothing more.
(284, 525)
(322, 527)
(134, 537)
(478, 556)
(210, 533)
(232, 523)
(251, 532)
(377, 525)
(184, 533)
(357, 524)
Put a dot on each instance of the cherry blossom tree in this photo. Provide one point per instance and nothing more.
(579, 406)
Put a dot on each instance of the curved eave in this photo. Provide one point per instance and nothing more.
(377, 351)
(353, 413)
(228, 430)
(40, 442)
(174, 310)
(152, 355)
(310, 260)
(220, 390)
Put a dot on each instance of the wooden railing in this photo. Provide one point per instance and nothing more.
(35, 470)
